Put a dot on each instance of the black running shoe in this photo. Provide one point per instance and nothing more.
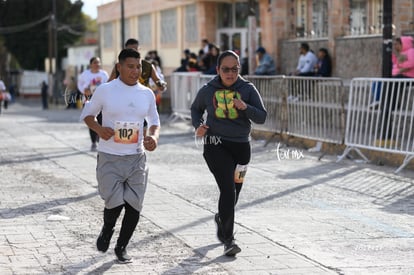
(102, 243)
(231, 248)
(121, 254)
(220, 235)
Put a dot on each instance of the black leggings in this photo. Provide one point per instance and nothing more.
(222, 159)
(129, 222)
(92, 133)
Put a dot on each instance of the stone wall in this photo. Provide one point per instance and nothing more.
(354, 57)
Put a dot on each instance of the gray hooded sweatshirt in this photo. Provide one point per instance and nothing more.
(223, 119)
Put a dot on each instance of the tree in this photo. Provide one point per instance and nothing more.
(24, 27)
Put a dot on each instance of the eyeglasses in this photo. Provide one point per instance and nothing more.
(233, 70)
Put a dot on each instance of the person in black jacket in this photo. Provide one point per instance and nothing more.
(324, 65)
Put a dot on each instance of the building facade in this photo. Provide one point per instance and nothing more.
(351, 30)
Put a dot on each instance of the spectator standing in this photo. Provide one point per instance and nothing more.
(403, 57)
(2, 92)
(12, 91)
(204, 46)
(121, 168)
(307, 61)
(44, 94)
(193, 63)
(266, 64)
(231, 103)
(87, 82)
(245, 63)
(402, 68)
(210, 59)
(184, 62)
(324, 65)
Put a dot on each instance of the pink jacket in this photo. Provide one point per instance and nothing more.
(405, 67)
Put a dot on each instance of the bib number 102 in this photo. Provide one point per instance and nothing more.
(124, 133)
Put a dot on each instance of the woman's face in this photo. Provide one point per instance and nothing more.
(228, 70)
(397, 45)
(95, 65)
(321, 54)
(214, 51)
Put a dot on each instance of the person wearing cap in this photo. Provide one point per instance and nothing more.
(266, 64)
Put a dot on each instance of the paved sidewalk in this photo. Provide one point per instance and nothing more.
(296, 215)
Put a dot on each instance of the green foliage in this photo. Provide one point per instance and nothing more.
(28, 41)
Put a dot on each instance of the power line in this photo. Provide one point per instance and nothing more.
(20, 28)
(69, 30)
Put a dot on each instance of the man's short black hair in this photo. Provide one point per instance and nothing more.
(305, 46)
(126, 53)
(131, 41)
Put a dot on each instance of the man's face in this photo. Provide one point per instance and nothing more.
(129, 70)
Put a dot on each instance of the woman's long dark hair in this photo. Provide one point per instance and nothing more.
(225, 54)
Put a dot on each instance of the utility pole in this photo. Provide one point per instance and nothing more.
(387, 38)
(55, 54)
(50, 43)
(251, 33)
(122, 25)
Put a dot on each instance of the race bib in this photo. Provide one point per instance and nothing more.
(126, 132)
(239, 173)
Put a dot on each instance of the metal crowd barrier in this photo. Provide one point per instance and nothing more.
(322, 109)
(184, 87)
(271, 89)
(380, 117)
(315, 108)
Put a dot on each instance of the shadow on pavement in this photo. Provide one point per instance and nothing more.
(40, 157)
(11, 213)
(194, 262)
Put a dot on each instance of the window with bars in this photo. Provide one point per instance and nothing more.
(168, 26)
(365, 17)
(301, 18)
(191, 33)
(319, 18)
(107, 35)
(318, 27)
(236, 15)
(375, 17)
(144, 29)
